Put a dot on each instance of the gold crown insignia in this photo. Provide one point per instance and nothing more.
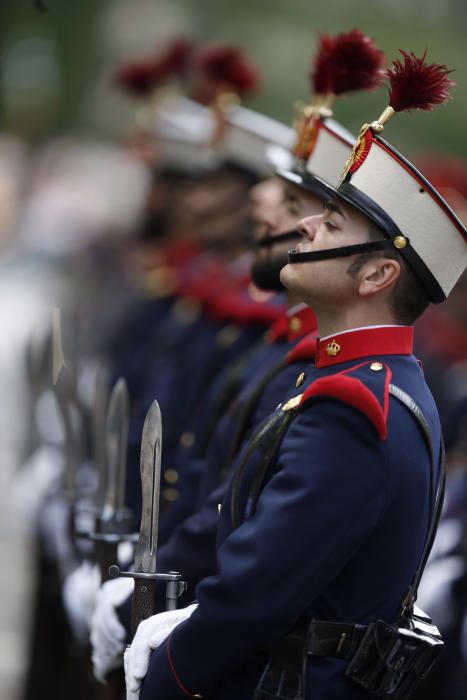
(333, 348)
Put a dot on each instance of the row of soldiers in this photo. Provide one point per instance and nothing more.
(295, 487)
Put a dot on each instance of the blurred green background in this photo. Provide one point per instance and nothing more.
(56, 67)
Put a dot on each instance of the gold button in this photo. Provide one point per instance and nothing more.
(227, 336)
(171, 476)
(400, 242)
(160, 282)
(294, 325)
(170, 495)
(376, 366)
(187, 439)
(333, 348)
(292, 403)
(186, 311)
(300, 379)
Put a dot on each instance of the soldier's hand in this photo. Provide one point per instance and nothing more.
(79, 595)
(108, 635)
(150, 634)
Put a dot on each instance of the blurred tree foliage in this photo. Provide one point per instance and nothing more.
(75, 64)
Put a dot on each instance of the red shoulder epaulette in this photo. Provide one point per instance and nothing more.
(364, 387)
(238, 307)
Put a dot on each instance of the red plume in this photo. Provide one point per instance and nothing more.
(225, 67)
(349, 61)
(138, 79)
(414, 84)
(175, 60)
(321, 75)
(356, 63)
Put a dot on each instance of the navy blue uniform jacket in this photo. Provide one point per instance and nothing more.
(337, 533)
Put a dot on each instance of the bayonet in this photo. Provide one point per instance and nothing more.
(37, 366)
(145, 573)
(115, 522)
(150, 467)
(99, 417)
(116, 453)
(62, 388)
(65, 382)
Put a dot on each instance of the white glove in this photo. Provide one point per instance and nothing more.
(150, 634)
(107, 632)
(55, 534)
(37, 478)
(79, 596)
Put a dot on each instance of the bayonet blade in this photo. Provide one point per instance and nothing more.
(62, 391)
(117, 445)
(150, 467)
(99, 417)
(145, 571)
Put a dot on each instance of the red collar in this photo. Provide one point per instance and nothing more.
(291, 327)
(364, 342)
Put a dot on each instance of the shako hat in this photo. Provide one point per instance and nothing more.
(178, 128)
(344, 63)
(256, 141)
(389, 190)
(183, 131)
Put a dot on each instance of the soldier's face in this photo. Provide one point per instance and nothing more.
(214, 209)
(277, 206)
(326, 283)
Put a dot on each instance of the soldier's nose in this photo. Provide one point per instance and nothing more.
(308, 226)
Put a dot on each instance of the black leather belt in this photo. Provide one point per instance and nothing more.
(336, 639)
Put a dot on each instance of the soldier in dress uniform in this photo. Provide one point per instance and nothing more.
(317, 157)
(329, 507)
(263, 375)
(183, 323)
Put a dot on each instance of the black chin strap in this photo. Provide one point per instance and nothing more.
(268, 241)
(343, 252)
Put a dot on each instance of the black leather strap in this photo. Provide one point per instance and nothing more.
(343, 252)
(334, 639)
(247, 410)
(436, 503)
(266, 438)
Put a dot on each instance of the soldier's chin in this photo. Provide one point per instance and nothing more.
(286, 277)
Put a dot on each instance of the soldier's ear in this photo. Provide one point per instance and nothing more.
(378, 274)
